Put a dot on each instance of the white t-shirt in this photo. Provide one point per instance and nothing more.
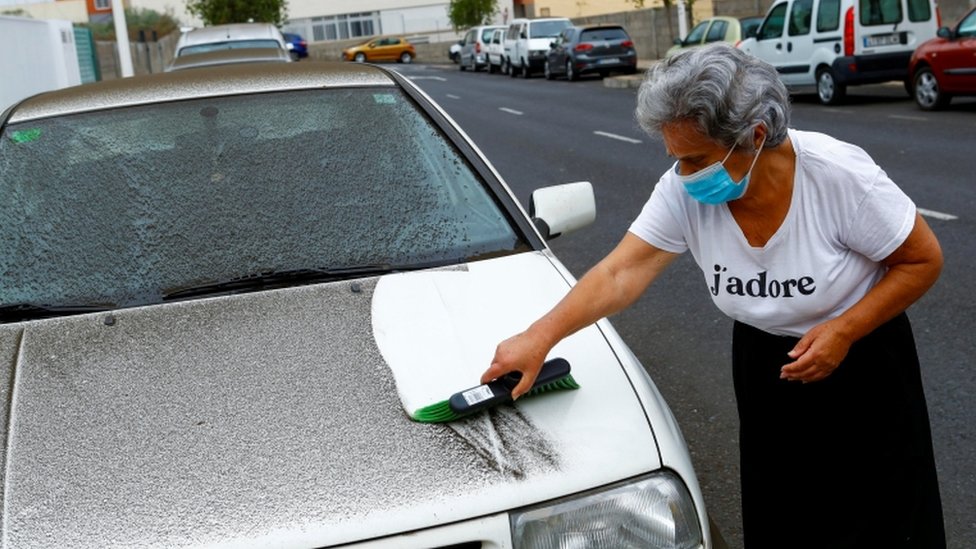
(845, 216)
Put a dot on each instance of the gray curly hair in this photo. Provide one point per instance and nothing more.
(725, 90)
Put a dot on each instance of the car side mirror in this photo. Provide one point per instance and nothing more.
(752, 33)
(523, 35)
(562, 209)
(552, 44)
(678, 42)
(944, 32)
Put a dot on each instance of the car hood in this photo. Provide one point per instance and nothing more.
(276, 417)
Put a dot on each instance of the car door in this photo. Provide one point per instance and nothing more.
(769, 44)
(557, 53)
(958, 57)
(797, 68)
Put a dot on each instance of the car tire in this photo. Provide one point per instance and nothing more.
(406, 58)
(491, 68)
(928, 95)
(359, 57)
(526, 73)
(570, 71)
(829, 91)
(548, 71)
(461, 65)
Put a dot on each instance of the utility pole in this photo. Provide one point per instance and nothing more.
(682, 19)
(122, 38)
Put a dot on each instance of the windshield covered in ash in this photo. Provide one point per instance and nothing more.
(125, 207)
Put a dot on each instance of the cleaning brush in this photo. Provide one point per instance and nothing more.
(554, 375)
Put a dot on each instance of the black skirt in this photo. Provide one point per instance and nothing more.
(842, 462)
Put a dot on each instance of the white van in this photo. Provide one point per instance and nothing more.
(527, 42)
(832, 44)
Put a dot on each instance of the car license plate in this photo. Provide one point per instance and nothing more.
(608, 61)
(882, 40)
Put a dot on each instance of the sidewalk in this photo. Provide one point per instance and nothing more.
(629, 80)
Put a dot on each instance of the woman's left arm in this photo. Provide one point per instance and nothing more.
(912, 269)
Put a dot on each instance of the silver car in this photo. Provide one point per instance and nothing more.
(231, 36)
(226, 293)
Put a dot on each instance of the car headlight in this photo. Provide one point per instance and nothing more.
(655, 511)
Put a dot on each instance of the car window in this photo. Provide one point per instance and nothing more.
(880, 12)
(546, 29)
(125, 206)
(229, 45)
(919, 10)
(749, 26)
(486, 35)
(967, 27)
(716, 33)
(800, 18)
(772, 27)
(603, 34)
(469, 37)
(828, 15)
(696, 34)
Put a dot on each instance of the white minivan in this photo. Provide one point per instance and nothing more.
(527, 42)
(832, 44)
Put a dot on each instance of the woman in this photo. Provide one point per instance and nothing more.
(815, 253)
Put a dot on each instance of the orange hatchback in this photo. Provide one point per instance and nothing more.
(386, 48)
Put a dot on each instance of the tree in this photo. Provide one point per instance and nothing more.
(222, 12)
(465, 14)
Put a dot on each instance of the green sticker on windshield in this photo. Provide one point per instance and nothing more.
(25, 136)
(384, 98)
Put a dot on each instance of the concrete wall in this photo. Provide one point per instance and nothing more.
(75, 11)
(147, 57)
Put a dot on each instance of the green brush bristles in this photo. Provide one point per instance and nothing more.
(441, 412)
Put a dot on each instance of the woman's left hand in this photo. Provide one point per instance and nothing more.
(818, 353)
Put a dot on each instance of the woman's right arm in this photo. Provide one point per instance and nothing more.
(610, 286)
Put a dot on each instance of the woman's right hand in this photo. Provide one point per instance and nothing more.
(524, 353)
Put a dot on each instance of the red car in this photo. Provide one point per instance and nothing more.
(945, 66)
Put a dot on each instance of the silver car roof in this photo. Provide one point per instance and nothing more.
(238, 79)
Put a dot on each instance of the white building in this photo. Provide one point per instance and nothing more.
(317, 20)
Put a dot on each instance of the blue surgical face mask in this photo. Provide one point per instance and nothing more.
(714, 185)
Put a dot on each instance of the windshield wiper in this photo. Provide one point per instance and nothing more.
(280, 279)
(17, 312)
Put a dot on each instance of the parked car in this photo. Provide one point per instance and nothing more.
(496, 50)
(828, 45)
(718, 29)
(225, 37)
(527, 42)
(221, 290)
(384, 48)
(454, 52)
(945, 65)
(600, 49)
(296, 45)
(229, 57)
(474, 47)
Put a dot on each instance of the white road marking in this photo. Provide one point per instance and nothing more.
(908, 117)
(511, 111)
(937, 215)
(618, 137)
(452, 96)
(440, 78)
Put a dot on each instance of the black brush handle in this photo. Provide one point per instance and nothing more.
(499, 390)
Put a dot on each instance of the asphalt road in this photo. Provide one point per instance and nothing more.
(539, 133)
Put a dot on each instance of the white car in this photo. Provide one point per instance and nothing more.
(496, 50)
(232, 36)
(226, 293)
